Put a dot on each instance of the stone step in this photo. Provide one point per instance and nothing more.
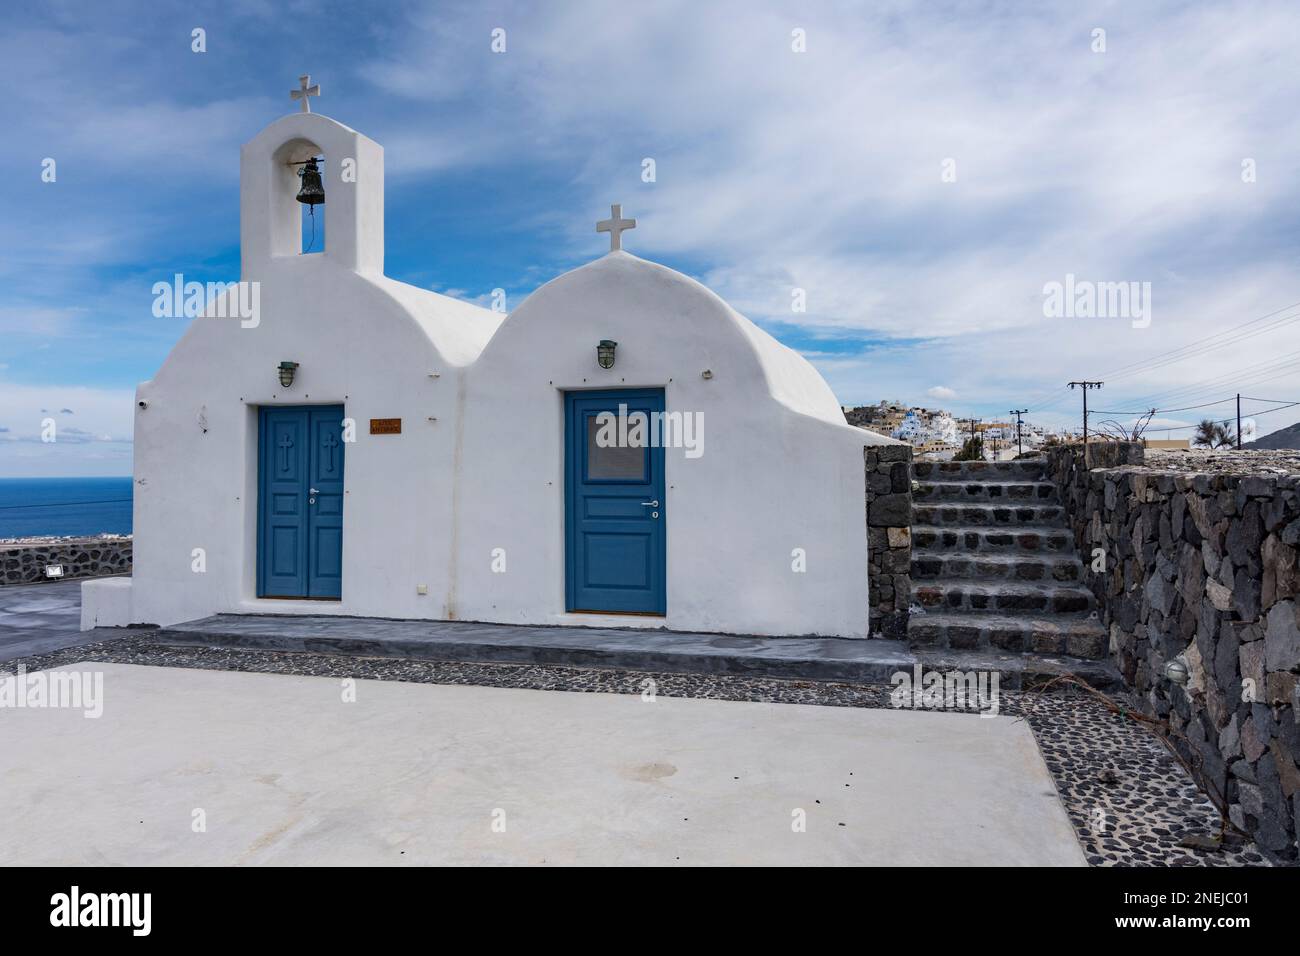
(1010, 539)
(1030, 469)
(1023, 670)
(1023, 633)
(996, 596)
(986, 513)
(1020, 492)
(927, 565)
(847, 660)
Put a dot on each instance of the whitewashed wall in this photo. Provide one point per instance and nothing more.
(426, 508)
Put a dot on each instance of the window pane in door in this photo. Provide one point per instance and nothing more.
(613, 461)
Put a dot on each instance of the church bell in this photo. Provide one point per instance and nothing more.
(312, 192)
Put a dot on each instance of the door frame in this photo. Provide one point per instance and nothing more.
(573, 455)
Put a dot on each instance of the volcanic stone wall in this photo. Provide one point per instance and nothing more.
(889, 538)
(1200, 568)
(25, 562)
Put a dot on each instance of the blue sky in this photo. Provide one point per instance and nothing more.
(820, 170)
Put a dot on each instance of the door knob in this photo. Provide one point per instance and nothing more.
(312, 491)
(651, 504)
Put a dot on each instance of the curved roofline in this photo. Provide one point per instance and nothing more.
(791, 379)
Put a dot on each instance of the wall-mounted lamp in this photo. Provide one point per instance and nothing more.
(605, 353)
(286, 373)
(1176, 671)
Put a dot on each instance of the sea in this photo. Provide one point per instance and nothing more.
(35, 507)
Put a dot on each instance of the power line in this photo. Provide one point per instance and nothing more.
(67, 504)
(1278, 402)
(1239, 376)
(1191, 350)
(1236, 376)
(1205, 349)
(1185, 408)
(1123, 370)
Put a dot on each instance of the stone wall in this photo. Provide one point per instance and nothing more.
(1201, 568)
(889, 538)
(24, 563)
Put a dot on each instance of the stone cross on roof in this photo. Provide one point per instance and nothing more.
(615, 225)
(305, 91)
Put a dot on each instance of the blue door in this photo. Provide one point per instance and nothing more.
(615, 553)
(300, 502)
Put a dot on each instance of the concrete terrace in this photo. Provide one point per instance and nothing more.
(410, 774)
(39, 618)
(185, 715)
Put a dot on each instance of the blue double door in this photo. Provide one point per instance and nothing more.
(300, 502)
(615, 549)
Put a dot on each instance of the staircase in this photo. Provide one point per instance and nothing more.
(994, 565)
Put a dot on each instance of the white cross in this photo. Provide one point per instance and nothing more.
(305, 91)
(615, 225)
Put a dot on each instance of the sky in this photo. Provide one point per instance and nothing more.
(922, 172)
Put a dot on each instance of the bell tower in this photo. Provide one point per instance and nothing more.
(351, 176)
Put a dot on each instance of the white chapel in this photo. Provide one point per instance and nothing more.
(623, 449)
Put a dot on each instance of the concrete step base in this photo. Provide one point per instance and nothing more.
(845, 660)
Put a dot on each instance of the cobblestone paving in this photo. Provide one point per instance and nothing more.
(1129, 800)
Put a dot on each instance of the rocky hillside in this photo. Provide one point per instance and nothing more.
(1284, 438)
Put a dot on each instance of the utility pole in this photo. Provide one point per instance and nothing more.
(1239, 421)
(1085, 386)
(1018, 412)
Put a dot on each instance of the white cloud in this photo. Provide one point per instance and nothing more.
(940, 391)
(100, 442)
(822, 170)
(774, 170)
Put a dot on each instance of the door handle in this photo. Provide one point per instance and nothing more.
(651, 504)
(312, 491)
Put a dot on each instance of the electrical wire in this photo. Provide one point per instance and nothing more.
(66, 504)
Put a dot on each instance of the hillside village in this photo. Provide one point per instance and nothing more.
(937, 434)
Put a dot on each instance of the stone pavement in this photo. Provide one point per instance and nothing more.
(39, 618)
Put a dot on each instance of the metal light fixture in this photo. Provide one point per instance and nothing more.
(286, 373)
(605, 353)
(312, 191)
(1176, 671)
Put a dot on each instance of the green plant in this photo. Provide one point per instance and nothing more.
(971, 450)
(1212, 434)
